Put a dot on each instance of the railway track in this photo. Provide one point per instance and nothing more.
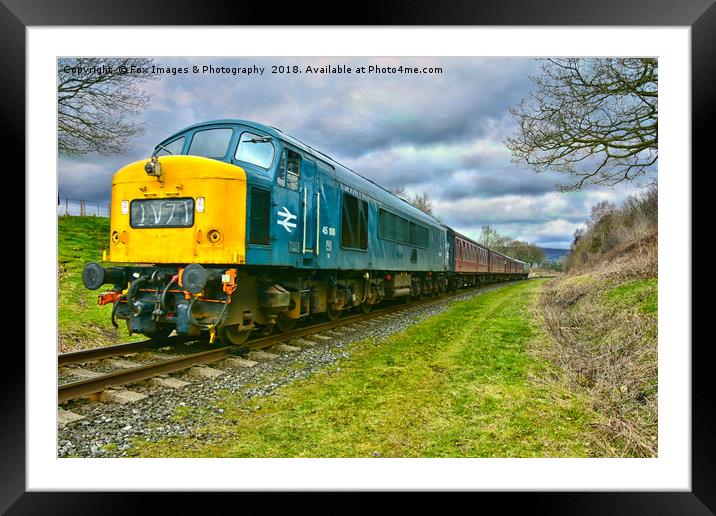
(100, 382)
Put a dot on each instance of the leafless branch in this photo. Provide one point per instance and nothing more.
(97, 102)
(593, 119)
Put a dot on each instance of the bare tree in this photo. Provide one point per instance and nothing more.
(595, 119)
(97, 99)
(489, 237)
(420, 201)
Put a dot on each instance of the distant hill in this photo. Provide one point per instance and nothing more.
(554, 255)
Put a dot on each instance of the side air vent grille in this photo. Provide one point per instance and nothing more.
(259, 216)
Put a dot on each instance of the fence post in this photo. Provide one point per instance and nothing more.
(67, 210)
(82, 207)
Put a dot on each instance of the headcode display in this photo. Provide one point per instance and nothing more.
(162, 213)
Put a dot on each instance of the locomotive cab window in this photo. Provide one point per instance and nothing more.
(289, 170)
(255, 149)
(174, 147)
(354, 223)
(211, 143)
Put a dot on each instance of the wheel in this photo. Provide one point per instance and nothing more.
(230, 335)
(332, 314)
(285, 324)
(366, 308)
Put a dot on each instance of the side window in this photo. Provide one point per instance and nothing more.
(354, 223)
(289, 170)
(173, 147)
(255, 149)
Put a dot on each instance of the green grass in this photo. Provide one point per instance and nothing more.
(640, 294)
(81, 322)
(459, 384)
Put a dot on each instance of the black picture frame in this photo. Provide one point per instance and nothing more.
(700, 15)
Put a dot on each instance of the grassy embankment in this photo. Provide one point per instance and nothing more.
(602, 319)
(603, 322)
(463, 383)
(81, 322)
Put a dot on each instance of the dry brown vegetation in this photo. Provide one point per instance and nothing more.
(602, 317)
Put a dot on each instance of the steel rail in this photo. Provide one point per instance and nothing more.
(87, 355)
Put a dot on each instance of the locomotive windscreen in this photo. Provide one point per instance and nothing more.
(162, 213)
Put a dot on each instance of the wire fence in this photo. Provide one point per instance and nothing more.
(79, 207)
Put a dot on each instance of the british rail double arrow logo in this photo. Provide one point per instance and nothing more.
(287, 218)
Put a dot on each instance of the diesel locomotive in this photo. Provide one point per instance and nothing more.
(233, 226)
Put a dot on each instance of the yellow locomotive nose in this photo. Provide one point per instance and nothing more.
(161, 217)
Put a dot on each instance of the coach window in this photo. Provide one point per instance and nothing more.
(289, 171)
(354, 223)
(255, 149)
(210, 143)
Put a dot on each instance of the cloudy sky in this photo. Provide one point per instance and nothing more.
(440, 134)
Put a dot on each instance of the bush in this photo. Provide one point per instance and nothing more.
(612, 228)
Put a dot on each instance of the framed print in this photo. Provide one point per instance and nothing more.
(239, 90)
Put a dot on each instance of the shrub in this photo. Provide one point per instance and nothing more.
(611, 229)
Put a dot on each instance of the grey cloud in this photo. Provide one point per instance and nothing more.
(351, 115)
(497, 182)
(89, 178)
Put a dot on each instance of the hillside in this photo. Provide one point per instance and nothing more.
(554, 255)
(603, 319)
